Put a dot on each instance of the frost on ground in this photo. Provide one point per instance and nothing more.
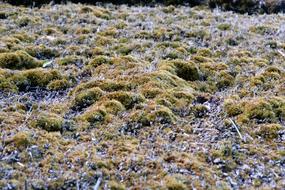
(141, 98)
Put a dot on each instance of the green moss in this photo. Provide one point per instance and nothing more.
(232, 108)
(153, 114)
(225, 80)
(86, 9)
(185, 70)
(49, 122)
(172, 183)
(94, 115)
(150, 92)
(205, 52)
(97, 51)
(24, 21)
(224, 26)
(103, 41)
(69, 60)
(128, 99)
(269, 131)
(22, 139)
(278, 106)
(161, 115)
(113, 106)
(101, 13)
(199, 34)
(260, 110)
(262, 30)
(24, 37)
(42, 51)
(87, 98)
(168, 9)
(200, 110)
(34, 78)
(60, 84)
(126, 49)
(99, 60)
(18, 60)
(116, 186)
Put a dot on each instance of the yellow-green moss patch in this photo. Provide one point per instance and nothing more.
(18, 60)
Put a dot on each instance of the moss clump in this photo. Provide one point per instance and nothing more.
(262, 30)
(128, 99)
(200, 110)
(149, 92)
(34, 78)
(224, 26)
(22, 139)
(100, 60)
(260, 110)
(116, 186)
(18, 60)
(49, 122)
(87, 98)
(232, 107)
(69, 60)
(172, 183)
(153, 114)
(94, 115)
(113, 106)
(185, 70)
(42, 52)
(269, 131)
(56, 85)
(162, 115)
(224, 80)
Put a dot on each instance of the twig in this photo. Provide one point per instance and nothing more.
(236, 127)
(281, 53)
(96, 187)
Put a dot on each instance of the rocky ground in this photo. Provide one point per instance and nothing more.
(137, 97)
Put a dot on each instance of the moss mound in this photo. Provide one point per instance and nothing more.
(49, 122)
(87, 98)
(18, 60)
(185, 70)
(128, 99)
(34, 78)
(94, 115)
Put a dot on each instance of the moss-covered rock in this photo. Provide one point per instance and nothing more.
(18, 60)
